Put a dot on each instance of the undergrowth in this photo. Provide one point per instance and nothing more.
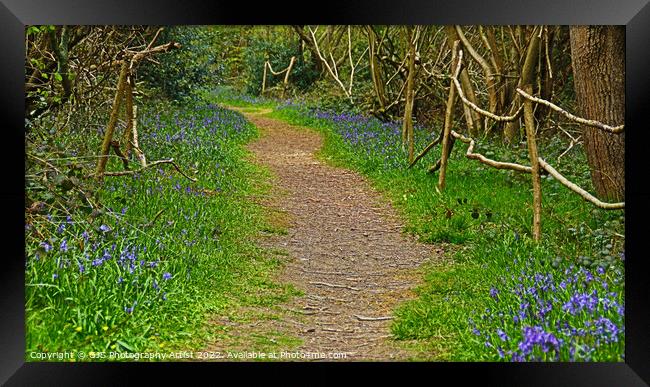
(163, 254)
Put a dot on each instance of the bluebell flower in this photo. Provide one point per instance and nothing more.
(502, 335)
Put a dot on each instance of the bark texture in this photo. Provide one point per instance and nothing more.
(598, 59)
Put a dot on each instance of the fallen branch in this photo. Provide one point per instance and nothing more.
(493, 163)
(573, 187)
(157, 162)
(333, 285)
(612, 129)
(426, 150)
(149, 224)
(438, 164)
(138, 56)
(112, 121)
(364, 318)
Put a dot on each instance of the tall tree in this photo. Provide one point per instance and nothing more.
(598, 59)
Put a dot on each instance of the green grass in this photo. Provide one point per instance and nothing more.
(486, 214)
(197, 259)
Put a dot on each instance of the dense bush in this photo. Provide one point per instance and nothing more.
(193, 66)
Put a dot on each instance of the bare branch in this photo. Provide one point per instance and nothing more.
(364, 318)
(573, 187)
(472, 105)
(157, 162)
(495, 164)
(612, 129)
(426, 150)
(154, 38)
(327, 66)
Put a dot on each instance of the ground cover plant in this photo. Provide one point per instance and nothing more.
(165, 252)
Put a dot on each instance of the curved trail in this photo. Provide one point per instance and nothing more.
(346, 249)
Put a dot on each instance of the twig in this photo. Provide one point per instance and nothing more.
(573, 142)
(153, 220)
(157, 162)
(364, 318)
(426, 150)
(333, 285)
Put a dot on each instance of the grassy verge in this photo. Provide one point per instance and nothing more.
(504, 297)
(146, 273)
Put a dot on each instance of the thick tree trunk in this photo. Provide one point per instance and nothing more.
(598, 58)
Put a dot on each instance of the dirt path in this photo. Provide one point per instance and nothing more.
(345, 247)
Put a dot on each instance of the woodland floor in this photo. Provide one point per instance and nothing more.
(344, 249)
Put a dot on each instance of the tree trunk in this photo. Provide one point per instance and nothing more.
(112, 121)
(473, 119)
(447, 139)
(375, 72)
(529, 119)
(598, 59)
(526, 77)
(407, 129)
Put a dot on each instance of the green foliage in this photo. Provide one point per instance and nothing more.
(278, 52)
(191, 67)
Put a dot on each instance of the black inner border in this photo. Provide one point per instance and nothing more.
(635, 14)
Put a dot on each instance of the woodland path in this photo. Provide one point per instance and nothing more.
(345, 247)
